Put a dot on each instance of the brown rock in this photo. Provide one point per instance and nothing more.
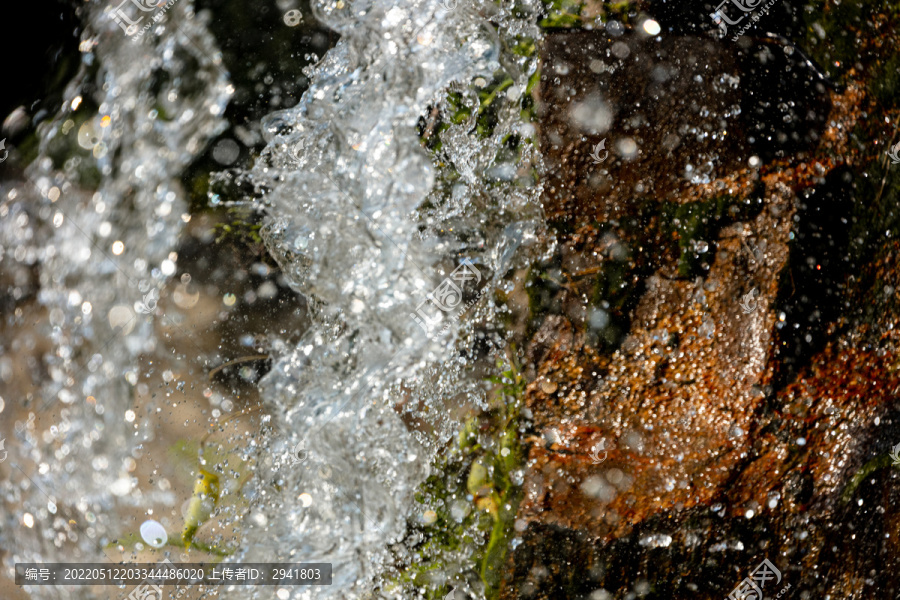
(701, 398)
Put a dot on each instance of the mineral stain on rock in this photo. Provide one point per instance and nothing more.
(714, 313)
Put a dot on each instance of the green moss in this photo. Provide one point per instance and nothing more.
(562, 14)
(567, 14)
(479, 470)
(832, 29)
(206, 465)
(242, 231)
(486, 119)
(198, 192)
(699, 221)
(879, 462)
(885, 83)
(524, 46)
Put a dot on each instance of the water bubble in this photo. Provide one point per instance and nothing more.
(226, 152)
(154, 533)
(598, 318)
(615, 28)
(621, 50)
(121, 316)
(87, 135)
(651, 27)
(627, 147)
(615, 476)
(593, 115)
(292, 18)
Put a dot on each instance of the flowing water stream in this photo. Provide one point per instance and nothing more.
(364, 221)
(344, 174)
(288, 281)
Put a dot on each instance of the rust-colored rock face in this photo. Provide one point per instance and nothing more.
(715, 358)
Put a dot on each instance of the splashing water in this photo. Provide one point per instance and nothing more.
(363, 220)
(343, 172)
(99, 250)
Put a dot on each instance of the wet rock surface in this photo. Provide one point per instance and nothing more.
(710, 351)
(714, 349)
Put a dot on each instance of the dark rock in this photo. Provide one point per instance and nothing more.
(715, 359)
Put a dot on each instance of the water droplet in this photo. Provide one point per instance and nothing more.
(226, 152)
(292, 18)
(651, 27)
(154, 533)
(615, 28)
